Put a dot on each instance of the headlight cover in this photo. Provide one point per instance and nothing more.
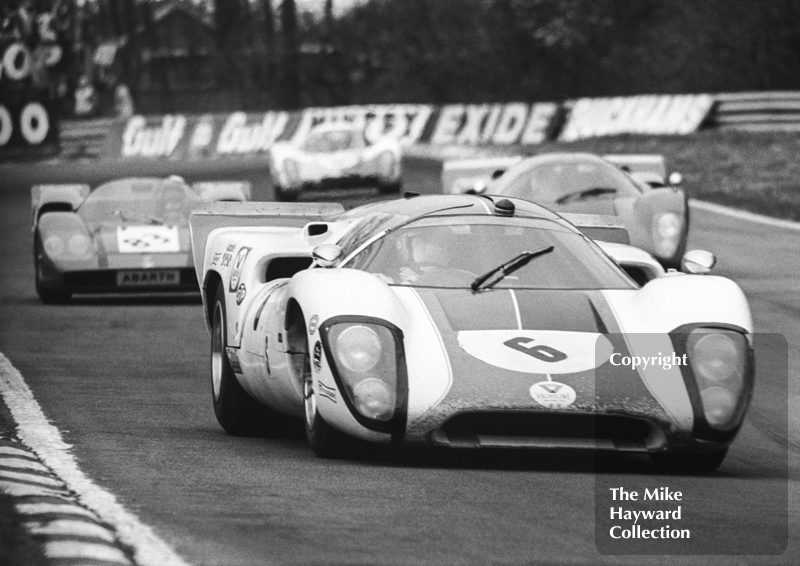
(667, 228)
(719, 377)
(718, 360)
(368, 363)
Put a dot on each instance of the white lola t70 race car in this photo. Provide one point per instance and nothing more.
(334, 155)
(468, 321)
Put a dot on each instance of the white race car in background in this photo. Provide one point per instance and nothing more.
(467, 321)
(334, 155)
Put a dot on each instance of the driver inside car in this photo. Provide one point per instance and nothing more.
(430, 256)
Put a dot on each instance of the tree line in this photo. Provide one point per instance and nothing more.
(273, 54)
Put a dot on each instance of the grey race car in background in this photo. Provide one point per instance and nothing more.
(652, 206)
(129, 234)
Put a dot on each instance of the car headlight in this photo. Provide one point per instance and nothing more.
(80, 245)
(667, 228)
(358, 348)
(54, 246)
(365, 356)
(718, 359)
(292, 170)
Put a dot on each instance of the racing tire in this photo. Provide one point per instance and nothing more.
(689, 462)
(237, 412)
(48, 296)
(325, 441)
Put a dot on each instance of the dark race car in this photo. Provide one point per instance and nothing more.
(127, 235)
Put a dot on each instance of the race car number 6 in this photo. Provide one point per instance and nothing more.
(538, 351)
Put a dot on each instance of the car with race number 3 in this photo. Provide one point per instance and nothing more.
(468, 322)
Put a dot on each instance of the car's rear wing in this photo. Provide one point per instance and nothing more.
(461, 176)
(599, 227)
(64, 197)
(237, 191)
(208, 217)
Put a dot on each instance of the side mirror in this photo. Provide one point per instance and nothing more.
(327, 255)
(675, 179)
(698, 262)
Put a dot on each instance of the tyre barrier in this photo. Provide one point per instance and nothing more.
(28, 124)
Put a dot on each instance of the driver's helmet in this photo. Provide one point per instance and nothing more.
(432, 247)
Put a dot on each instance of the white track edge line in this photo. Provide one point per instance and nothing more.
(45, 440)
(744, 215)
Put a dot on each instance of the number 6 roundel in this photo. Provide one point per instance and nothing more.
(538, 351)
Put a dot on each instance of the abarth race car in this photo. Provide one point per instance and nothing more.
(636, 188)
(128, 234)
(334, 155)
(467, 321)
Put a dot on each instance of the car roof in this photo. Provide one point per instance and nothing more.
(564, 157)
(414, 206)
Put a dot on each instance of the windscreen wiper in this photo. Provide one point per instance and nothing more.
(507, 268)
(593, 192)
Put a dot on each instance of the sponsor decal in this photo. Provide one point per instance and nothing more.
(318, 356)
(404, 123)
(327, 392)
(233, 358)
(312, 325)
(150, 239)
(216, 258)
(538, 351)
(231, 247)
(238, 264)
(496, 124)
(241, 292)
(650, 114)
(226, 259)
(239, 136)
(157, 278)
(552, 394)
(141, 140)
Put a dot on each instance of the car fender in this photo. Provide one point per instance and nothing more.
(639, 215)
(65, 197)
(323, 294)
(65, 225)
(678, 299)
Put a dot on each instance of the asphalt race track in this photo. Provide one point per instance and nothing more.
(126, 381)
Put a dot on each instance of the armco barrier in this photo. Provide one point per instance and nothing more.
(757, 111)
(250, 134)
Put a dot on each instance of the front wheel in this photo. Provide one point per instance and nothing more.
(237, 412)
(47, 295)
(689, 462)
(325, 441)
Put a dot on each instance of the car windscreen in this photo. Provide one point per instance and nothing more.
(329, 140)
(452, 252)
(139, 201)
(549, 181)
